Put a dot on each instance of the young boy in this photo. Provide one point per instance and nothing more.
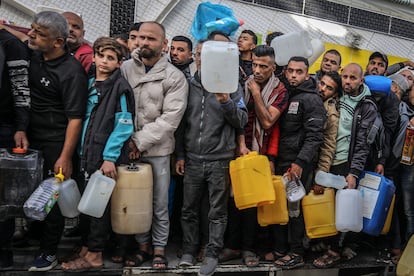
(107, 126)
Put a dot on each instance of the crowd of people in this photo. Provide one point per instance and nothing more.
(89, 108)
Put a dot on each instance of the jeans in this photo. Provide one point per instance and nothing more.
(160, 219)
(407, 191)
(199, 177)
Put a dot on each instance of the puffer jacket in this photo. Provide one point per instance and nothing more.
(301, 126)
(160, 101)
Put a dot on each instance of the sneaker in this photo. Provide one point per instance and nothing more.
(186, 261)
(208, 267)
(43, 262)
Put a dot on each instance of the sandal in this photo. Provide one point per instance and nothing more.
(137, 259)
(274, 256)
(289, 261)
(250, 259)
(159, 262)
(327, 260)
(118, 254)
(80, 265)
(228, 254)
(348, 253)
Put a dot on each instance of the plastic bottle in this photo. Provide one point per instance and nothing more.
(44, 197)
(330, 180)
(294, 209)
(294, 189)
(227, 25)
(96, 195)
(220, 66)
(69, 197)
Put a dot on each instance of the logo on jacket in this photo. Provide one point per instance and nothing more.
(45, 81)
(293, 108)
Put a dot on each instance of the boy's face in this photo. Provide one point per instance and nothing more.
(106, 62)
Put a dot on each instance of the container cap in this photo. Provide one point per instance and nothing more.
(60, 175)
(19, 150)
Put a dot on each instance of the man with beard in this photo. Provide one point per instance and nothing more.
(301, 134)
(388, 107)
(81, 50)
(181, 55)
(160, 92)
(331, 62)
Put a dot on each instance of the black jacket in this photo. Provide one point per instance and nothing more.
(301, 126)
(102, 121)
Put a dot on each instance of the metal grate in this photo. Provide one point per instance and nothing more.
(122, 16)
(327, 10)
(288, 5)
(369, 20)
(343, 14)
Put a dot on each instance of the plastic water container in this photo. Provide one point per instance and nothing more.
(377, 192)
(319, 214)
(131, 202)
(42, 200)
(317, 50)
(405, 266)
(96, 196)
(378, 85)
(291, 44)
(348, 210)
(69, 197)
(388, 220)
(330, 180)
(251, 181)
(20, 173)
(220, 66)
(294, 189)
(277, 212)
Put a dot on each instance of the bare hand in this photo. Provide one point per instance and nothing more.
(108, 169)
(65, 164)
(133, 150)
(253, 87)
(379, 169)
(295, 171)
(318, 189)
(351, 180)
(222, 97)
(179, 167)
(20, 140)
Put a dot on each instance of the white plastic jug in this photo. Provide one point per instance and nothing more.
(42, 200)
(291, 44)
(220, 66)
(96, 195)
(330, 180)
(294, 190)
(317, 50)
(69, 197)
(348, 210)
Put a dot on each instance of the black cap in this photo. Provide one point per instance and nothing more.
(379, 55)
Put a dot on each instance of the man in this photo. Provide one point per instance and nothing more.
(247, 42)
(205, 145)
(357, 113)
(331, 62)
(160, 92)
(301, 134)
(181, 55)
(271, 36)
(133, 37)
(388, 107)
(14, 116)
(58, 86)
(76, 42)
(266, 99)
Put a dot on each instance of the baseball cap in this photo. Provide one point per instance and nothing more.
(400, 80)
(379, 55)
